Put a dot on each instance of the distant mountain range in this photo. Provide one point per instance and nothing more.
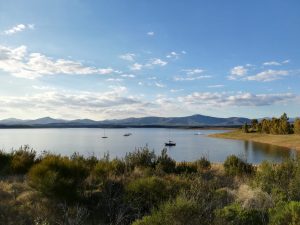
(187, 121)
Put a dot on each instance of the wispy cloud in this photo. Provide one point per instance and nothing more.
(19, 28)
(160, 85)
(150, 33)
(188, 78)
(128, 75)
(19, 63)
(128, 57)
(159, 62)
(136, 66)
(193, 71)
(216, 86)
(268, 75)
(235, 99)
(173, 55)
(275, 63)
(237, 72)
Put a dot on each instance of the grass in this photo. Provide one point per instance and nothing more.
(291, 141)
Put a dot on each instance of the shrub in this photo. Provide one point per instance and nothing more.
(180, 212)
(22, 160)
(236, 166)
(203, 163)
(165, 163)
(285, 214)
(186, 167)
(235, 214)
(5, 161)
(58, 177)
(140, 158)
(147, 193)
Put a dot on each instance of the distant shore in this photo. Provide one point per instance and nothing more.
(291, 141)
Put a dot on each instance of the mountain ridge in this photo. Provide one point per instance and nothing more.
(189, 121)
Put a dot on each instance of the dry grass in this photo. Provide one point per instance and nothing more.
(291, 141)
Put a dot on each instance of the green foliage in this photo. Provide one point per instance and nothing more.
(5, 161)
(245, 128)
(203, 163)
(180, 212)
(140, 158)
(235, 214)
(285, 214)
(235, 166)
(186, 167)
(147, 193)
(297, 126)
(22, 160)
(58, 177)
(275, 125)
(165, 163)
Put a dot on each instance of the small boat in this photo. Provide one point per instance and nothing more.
(127, 134)
(170, 143)
(104, 136)
(198, 133)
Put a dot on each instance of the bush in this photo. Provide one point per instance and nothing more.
(140, 158)
(285, 214)
(147, 193)
(22, 160)
(235, 214)
(58, 177)
(5, 161)
(179, 212)
(186, 167)
(203, 164)
(165, 163)
(235, 166)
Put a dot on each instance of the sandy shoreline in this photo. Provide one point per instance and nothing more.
(291, 141)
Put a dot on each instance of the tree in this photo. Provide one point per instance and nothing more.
(297, 126)
(245, 128)
(254, 124)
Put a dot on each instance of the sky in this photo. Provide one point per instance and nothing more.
(115, 59)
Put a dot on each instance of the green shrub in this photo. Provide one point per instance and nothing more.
(22, 160)
(165, 163)
(203, 164)
(5, 162)
(58, 177)
(285, 214)
(234, 214)
(186, 167)
(179, 211)
(235, 166)
(142, 157)
(147, 193)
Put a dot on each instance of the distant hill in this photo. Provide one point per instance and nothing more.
(187, 121)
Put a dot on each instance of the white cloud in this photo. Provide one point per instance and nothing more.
(269, 75)
(128, 57)
(128, 75)
(158, 62)
(237, 71)
(19, 28)
(216, 86)
(193, 71)
(160, 85)
(150, 33)
(136, 66)
(176, 90)
(218, 99)
(173, 55)
(272, 63)
(19, 63)
(114, 79)
(178, 78)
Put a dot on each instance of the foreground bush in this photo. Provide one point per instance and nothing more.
(235, 166)
(179, 212)
(22, 160)
(285, 214)
(58, 177)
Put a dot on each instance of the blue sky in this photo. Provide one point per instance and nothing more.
(117, 59)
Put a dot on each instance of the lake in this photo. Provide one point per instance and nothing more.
(189, 146)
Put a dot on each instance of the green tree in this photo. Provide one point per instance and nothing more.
(297, 126)
(254, 124)
(245, 128)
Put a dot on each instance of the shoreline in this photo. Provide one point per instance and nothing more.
(291, 141)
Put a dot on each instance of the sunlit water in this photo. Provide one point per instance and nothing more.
(189, 146)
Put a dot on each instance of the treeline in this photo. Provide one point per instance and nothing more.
(273, 126)
(145, 189)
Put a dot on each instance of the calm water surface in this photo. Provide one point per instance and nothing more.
(188, 147)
